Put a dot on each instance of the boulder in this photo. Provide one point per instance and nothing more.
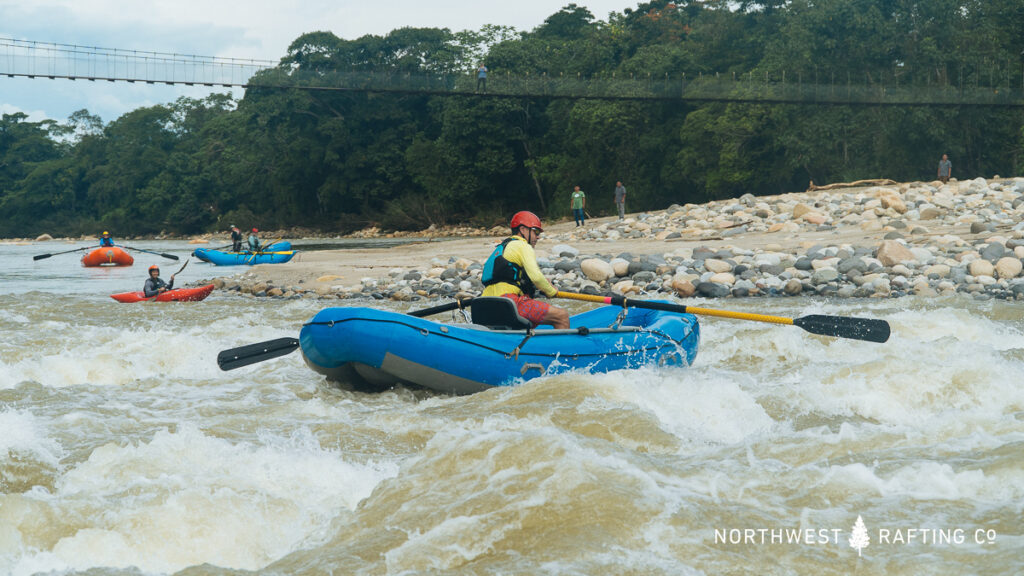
(715, 265)
(800, 209)
(892, 200)
(824, 276)
(683, 287)
(713, 290)
(813, 217)
(981, 268)
(44, 238)
(930, 213)
(560, 249)
(597, 270)
(622, 286)
(1009, 267)
(992, 251)
(723, 278)
(891, 252)
(620, 266)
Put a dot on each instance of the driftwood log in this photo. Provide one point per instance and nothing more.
(874, 182)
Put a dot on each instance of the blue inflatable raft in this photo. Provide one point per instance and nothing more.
(242, 258)
(282, 246)
(381, 348)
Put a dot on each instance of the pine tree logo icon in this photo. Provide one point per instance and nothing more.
(859, 537)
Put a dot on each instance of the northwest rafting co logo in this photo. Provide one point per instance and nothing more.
(858, 537)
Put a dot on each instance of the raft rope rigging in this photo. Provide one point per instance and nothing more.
(516, 352)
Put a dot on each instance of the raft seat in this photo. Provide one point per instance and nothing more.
(498, 313)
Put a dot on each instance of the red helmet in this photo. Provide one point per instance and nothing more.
(528, 219)
(154, 267)
(255, 230)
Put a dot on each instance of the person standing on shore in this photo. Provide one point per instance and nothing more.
(945, 169)
(578, 202)
(512, 272)
(620, 199)
(481, 78)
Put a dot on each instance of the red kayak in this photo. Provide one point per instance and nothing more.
(176, 295)
(107, 256)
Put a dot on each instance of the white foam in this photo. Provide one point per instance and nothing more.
(185, 498)
(23, 434)
(932, 481)
(698, 405)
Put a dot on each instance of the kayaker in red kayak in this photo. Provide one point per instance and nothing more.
(512, 272)
(106, 241)
(154, 285)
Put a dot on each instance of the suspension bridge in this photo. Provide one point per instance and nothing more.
(977, 85)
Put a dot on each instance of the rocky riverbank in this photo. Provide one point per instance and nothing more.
(870, 242)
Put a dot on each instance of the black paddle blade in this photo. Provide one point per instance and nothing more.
(41, 256)
(171, 256)
(442, 308)
(868, 329)
(253, 353)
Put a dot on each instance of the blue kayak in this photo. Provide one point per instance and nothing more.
(242, 258)
(283, 246)
(381, 348)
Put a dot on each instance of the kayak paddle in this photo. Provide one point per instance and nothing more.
(869, 329)
(42, 256)
(171, 256)
(253, 353)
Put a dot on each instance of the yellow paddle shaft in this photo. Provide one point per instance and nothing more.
(622, 301)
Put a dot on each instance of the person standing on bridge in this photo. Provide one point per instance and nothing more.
(620, 199)
(481, 78)
(945, 169)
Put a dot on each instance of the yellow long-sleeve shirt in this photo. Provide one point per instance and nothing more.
(520, 253)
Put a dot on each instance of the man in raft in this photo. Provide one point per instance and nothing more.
(254, 240)
(236, 239)
(106, 241)
(154, 285)
(512, 272)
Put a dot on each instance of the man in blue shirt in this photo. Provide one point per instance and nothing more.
(945, 168)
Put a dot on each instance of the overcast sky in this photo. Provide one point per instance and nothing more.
(260, 29)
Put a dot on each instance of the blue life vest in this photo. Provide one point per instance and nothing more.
(498, 269)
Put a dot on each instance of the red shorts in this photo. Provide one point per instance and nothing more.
(532, 310)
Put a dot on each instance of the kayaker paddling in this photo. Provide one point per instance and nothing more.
(512, 272)
(105, 240)
(154, 285)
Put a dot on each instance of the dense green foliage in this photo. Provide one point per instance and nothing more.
(336, 160)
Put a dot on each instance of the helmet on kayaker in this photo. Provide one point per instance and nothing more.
(105, 233)
(154, 267)
(255, 230)
(528, 219)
